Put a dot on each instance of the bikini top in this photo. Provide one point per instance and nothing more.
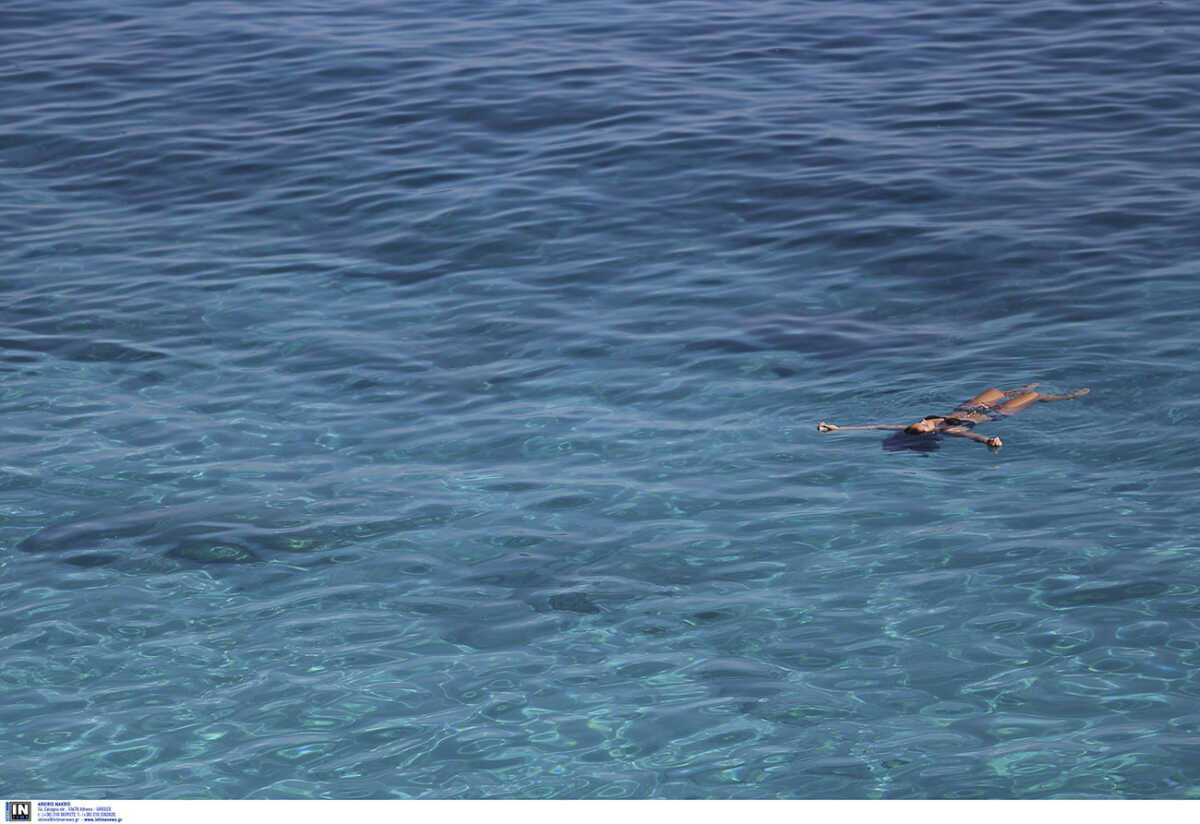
(952, 421)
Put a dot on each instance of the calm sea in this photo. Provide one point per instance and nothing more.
(419, 399)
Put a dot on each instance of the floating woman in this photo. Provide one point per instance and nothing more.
(958, 424)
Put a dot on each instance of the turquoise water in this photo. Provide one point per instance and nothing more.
(419, 400)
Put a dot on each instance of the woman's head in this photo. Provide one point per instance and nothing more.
(924, 426)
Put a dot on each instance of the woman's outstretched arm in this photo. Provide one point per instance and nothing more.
(828, 427)
(994, 443)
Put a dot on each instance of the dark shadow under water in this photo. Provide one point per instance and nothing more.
(904, 442)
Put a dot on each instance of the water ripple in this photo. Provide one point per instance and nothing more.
(419, 402)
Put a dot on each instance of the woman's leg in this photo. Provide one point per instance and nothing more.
(984, 399)
(1018, 403)
(1065, 397)
(988, 399)
(1028, 399)
(1027, 388)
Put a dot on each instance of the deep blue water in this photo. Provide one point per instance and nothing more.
(419, 399)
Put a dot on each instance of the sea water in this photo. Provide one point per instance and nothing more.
(419, 400)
